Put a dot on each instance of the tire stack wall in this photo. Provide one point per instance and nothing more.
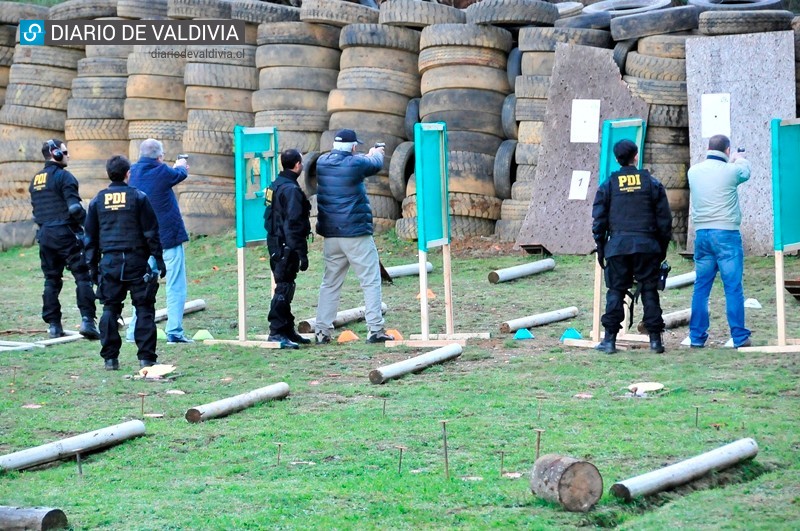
(464, 84)
(34, 111)
(7, 42)
(96, 128)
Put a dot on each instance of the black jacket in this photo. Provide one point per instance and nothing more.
(286, 216)
(53, 191)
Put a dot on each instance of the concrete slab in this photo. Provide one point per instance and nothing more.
(761, 87)
(559, 224)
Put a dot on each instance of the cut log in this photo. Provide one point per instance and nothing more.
(539, 319)
(307, 326)
(407, 270)
(680, 281)
(417, 363)
(576, 485)
(685, 471)
(68, 447)
(524, 270)
(236, 403)
(671, 320)
(195, 305)
(26, 518)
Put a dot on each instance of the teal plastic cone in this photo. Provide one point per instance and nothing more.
(523, 333)
(201, 335)
(570, 333)
(160, 334)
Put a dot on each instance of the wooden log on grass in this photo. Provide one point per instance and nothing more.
(539, 319)
(417, 363)
(342, 318)
(574, 484)
(680, 281)
(671, 320)
(524, 270)
(686, 471)
(407, 270)
(68, 447)
(236, 403)
(37, 518)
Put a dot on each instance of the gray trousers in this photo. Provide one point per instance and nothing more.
(338, 255)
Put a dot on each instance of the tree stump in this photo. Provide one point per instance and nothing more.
(576, 485)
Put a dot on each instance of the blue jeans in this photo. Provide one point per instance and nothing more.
(718, 250)
(175, 260)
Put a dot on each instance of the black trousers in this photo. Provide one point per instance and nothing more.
(620, 272)
(60, 248)
(118, 277)
(284, 269)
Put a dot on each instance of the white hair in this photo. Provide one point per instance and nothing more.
(151, 149)
(344, 146)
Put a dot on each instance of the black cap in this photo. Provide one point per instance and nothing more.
(346, 135)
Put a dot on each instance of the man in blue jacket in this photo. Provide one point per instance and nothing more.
(344, 219)
(156, 179)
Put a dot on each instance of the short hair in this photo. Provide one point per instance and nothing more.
(344, 146)
(290, 158)
(151, 148)
(47, 149)
(719, 143)
(625, 151)
(117, 168)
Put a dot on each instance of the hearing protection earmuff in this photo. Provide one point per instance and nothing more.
(58, 155)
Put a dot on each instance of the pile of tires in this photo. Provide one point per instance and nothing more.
(96, 128)
(464, 83)
(7, 41)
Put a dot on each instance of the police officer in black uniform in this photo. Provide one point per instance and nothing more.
(632, 229)
(121, 234)
(288, 226)
(59, 214)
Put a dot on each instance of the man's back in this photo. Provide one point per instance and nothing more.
(714, 196)
(156, 179)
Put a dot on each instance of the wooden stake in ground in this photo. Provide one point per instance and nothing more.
(39, 518)
(279, 452)
(400, 460)
(524, 270)
(685, 471)
(539, 433)
(417, 363)
(236, 403)
(576, 485)
(538, 319)
(444, 444)
(85, 442)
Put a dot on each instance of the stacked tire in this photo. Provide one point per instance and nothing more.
(96, 128)
(464, 84)
(7, 41)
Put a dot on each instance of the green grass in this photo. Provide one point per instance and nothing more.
(223, 474)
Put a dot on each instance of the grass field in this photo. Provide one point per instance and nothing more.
(339, 456)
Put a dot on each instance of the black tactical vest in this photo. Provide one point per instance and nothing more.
(118, 219)
(49, 206)
(632, 209)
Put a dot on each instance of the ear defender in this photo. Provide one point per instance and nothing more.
(58, 155)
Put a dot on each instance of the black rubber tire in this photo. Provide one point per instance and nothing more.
(103, 66)
(383, 206)
(621, 51)
(671, 175)
(37, 96)
(735, 5)
(507, 230)
(515, 209)
(189, 9)
(83, 9)
(222, 76)
(617, 8)
(509, 117)
(231, 54)
(362, 56)
(514, 66)
(379, 79)
(391, 124)
(210, 142)
(341, 100)
(155, 87)
(401, 167)
(460, 227)
(308, 178)
(96, 107)
(337, 13)
(298, 33)
(526, 155)
(656, 91)
(655, 153)
(533, 39)
(513, 13)
(99, 87)
(411, 118)
(95, 129)
(13, 12)
(678, 199)
(736, 22)
(217, 120)
(530, 132)
(258, 12)
(465, 99)
(460, 204)
(505, 169)
(435, 56)
(654, 22)
(142, 9)
(147, 109)
(297, 54)
(538, 63)
(532, 86)
(530, 109)
(216, 98)
(466, 35)
(109, 51)
(142, 63)
(290, 120)
(379, 36)
(668, 116)
(600, 21)
(416, 14)
(33, 117)
(302, 141)
(285, 77)
(667, 135)
(522, 191)
(47, 76)
(473, 142)
(161, 129)
(457, 77)
(651, 67)
(458, 120)
(671, 46)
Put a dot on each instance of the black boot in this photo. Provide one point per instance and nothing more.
(609, 343)
(655, 342)
(89, 329)
(56, 330)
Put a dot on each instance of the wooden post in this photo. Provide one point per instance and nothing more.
(685, 471)
(68, 447)
(576, 485)
(395, 370)
(680, 281)
(780, 302)
(342, 318)
(26, 518)
(671, 320)
(236, 403)
(423, 296)
(448, 290)
(539, 319)
(408, 270)
(242, 306)
(524, 270)
(596, 302)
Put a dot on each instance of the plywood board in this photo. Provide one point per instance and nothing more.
(560, 224)
(761, 87)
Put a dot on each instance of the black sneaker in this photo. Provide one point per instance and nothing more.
(172, 340)
(56, 330)
(379, 337)
(297, 338)
(283, 340)
(111, 364)
(146, 363)
(321, 338)
(89, 329)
